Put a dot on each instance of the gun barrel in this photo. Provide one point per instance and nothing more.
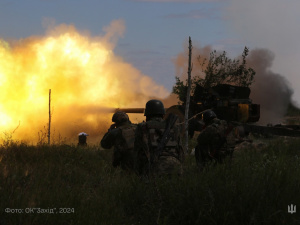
(131, 110)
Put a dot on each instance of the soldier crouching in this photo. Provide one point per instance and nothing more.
(158, 142)
(121, 135)
(215, 142)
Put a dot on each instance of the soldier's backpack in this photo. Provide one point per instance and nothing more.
(125, 153)
(128, 134)
(162, 138)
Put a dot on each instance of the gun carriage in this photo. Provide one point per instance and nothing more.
(230, 103)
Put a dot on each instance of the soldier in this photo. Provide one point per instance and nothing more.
(82, 139)
(215, 141)
(158, 143)
(121, 136)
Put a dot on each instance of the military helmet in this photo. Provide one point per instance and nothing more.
(208, 116)
(120, 117)
(154, 107)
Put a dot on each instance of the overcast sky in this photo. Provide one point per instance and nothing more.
(157, 30)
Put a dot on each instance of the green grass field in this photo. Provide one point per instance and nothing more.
(70, 185)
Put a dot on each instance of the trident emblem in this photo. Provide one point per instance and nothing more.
(292, 209)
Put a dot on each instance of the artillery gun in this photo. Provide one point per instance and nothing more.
(230, 103)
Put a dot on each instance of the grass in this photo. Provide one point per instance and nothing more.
(255, 188)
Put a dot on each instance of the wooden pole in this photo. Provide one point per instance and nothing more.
(188, 95)
(49, 125)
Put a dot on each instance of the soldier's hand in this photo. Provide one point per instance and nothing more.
(113, 126)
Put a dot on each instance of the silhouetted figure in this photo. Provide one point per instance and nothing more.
(82, 139)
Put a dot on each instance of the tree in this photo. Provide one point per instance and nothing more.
(219, 69)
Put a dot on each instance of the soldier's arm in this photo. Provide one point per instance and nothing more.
(109, 138)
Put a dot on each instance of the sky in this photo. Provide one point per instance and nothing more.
(157, 30)
(150, 34)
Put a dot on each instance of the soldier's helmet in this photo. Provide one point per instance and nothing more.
(154, 107)
(208, 116)
(120, 117)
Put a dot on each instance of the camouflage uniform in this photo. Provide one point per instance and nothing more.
(215, 142)
(147, 138)
(122, 138)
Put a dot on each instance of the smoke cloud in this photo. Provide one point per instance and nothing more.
(274, 25)
(271, 90)
(87, 81)
(198, 56)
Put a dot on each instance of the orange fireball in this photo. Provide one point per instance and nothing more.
(84, 75)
